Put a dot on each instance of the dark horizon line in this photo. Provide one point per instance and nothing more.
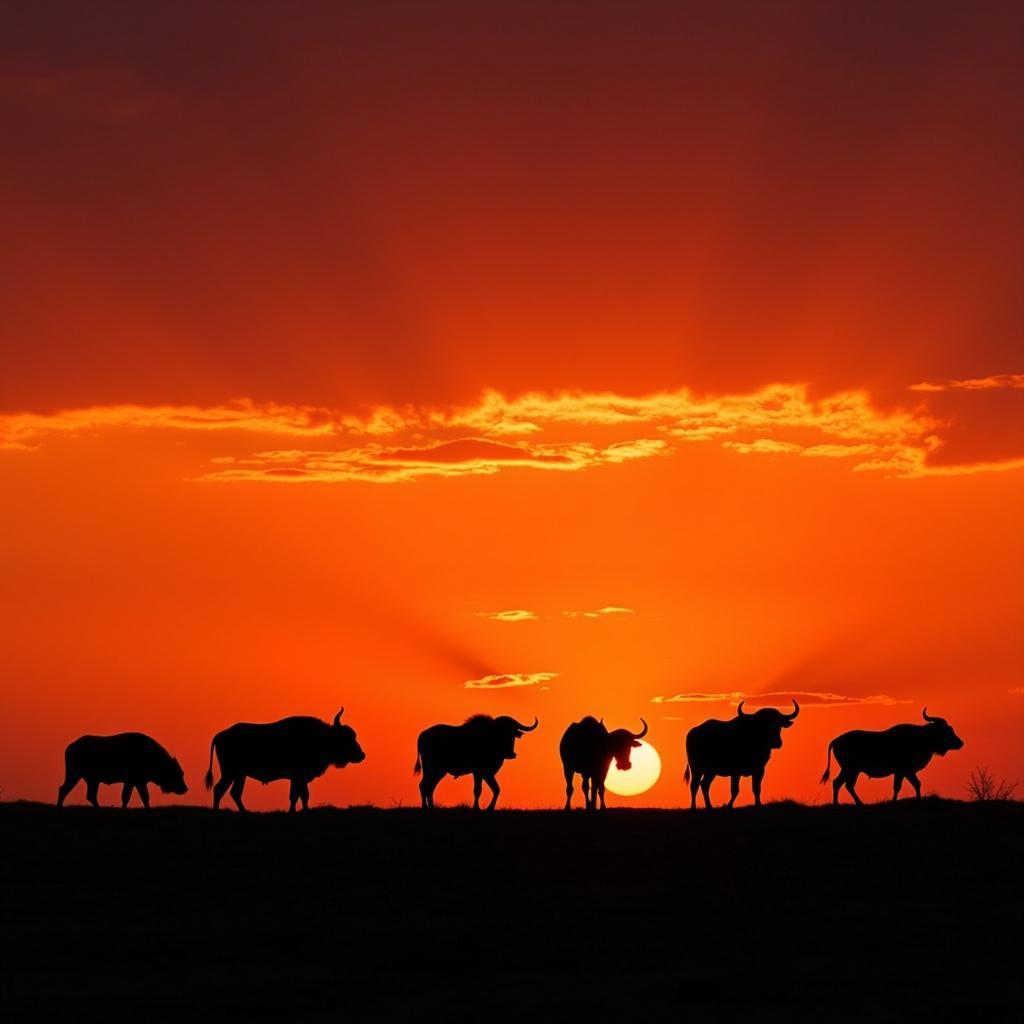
(723, 811)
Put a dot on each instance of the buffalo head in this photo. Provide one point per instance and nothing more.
(621, 742)
(507, 730)
(342, 746)
(172, 778)
(769, 723)
(941, 734)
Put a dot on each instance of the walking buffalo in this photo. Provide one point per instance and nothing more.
(130, 758)
(737, 748)
(587, 749)
(901, 751)
(478, 747)
(298, 749)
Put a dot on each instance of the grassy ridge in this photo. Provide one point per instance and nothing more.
(893, 912)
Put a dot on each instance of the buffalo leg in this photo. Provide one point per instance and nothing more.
(755, 784)
(850, 781)
(492, 782)
(304, 796)
(92, 790)
(734, 789)
(293, 796)
(126, 793)
(705, 788)
(568, 788)
(897, 785)
(600, 793)
(219, 790)
(916, 783)
(478, 785)
(67, 785)
(143, 788)
(427, 786)
(694, 784)
(837, 784)
(236, 792)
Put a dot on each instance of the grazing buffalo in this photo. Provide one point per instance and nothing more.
(298, 749)
(130, 758)
(587, 750)
(901, 751)
(477, 747)
(736, 748)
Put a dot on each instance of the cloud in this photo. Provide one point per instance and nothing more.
(998, 381)
(523, 615)
(642, 448)
(598, 612)
(763, 446)
(399, 444)
(513, 615)
(382, 464)
(27, 429)
(805, 698)
(468, 451)
(682, 414)
(501, 682)
(1016, 689)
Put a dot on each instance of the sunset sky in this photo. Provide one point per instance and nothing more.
(530, 358)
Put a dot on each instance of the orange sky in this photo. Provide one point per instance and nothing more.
(330, 336)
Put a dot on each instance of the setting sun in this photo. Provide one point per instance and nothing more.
(646, 767)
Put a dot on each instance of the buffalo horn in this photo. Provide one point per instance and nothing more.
(337, 717)
(642, 733)
(527, 728)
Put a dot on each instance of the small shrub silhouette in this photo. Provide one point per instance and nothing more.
(982, 787)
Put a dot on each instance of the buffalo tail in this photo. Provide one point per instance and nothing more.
(209, 771)
(828, 765)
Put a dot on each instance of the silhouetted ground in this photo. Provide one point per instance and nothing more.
(881, 913)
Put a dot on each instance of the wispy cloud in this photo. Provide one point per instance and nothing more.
(599, 612)
(1016, 689)
(512, 615)
(806, 698)
(381, 464)
(995, 382)
(397, 444)
(27, 429)
(769, 446)
(502, 682)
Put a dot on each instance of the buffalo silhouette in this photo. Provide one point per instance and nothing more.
(587, 749)
(478, 747)
(131, 758)
(901, 751)
(299, 749)
(737, 748)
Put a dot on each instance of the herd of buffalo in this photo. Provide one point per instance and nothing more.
(301, 749)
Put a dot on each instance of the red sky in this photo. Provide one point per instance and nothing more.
(331, 333)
